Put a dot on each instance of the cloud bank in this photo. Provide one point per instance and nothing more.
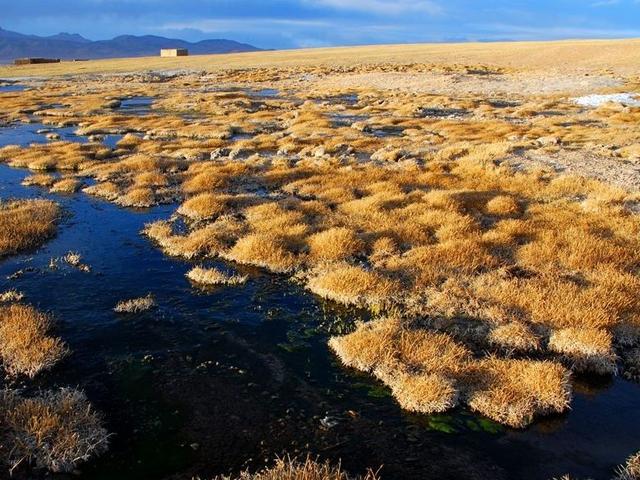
(301, 23)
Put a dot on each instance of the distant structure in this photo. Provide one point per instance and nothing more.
(174, 52)
(32, 61)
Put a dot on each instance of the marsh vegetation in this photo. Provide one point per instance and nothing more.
(485, 279)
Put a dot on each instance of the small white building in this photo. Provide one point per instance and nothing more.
(174, 52)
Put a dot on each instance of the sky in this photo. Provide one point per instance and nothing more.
(316, 23)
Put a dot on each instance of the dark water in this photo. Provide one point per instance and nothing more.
(385, 131)
(221, 379)
(349, 99)
(345, 119)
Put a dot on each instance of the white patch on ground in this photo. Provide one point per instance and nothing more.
(626, 99)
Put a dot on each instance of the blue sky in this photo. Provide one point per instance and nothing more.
(310, 23)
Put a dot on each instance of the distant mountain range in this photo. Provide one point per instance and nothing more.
(68, 46)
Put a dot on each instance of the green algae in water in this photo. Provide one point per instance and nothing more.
(489, 426)
(441, 423)
(378, 391)
(297, 339)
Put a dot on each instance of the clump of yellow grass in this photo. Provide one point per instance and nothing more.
(503, 205)
(108, 190)
(135, 305)
(214, 276)
(353, 285)
(309, 469)
(129, 141)
(66, 185)
(137, 197)
(208, 241)
(11, 295)
(335, 244)
(430, 372)
(203, 206)
(630, 470)
(55, 430)
(514, 392)
(26, 224)
(75, 260)
(263, 250)
(26, 348)
(589, 349)
(40, 180)
(419, 366)
(514, 335)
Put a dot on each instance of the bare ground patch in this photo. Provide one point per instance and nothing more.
(486, 84)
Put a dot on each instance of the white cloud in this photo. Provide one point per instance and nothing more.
(520, 32)
(605, 3)
(386, 7)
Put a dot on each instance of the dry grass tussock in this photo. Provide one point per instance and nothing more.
(26, 224)
(288, 469)
(26, 347)
(353, 285)
(135, 305)
(55, 430)
(430, 372)
(66, 185)
(631, 470)
(40, 180)
(214, 276)
(10, 296)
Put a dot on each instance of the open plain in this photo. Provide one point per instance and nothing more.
(422, 260)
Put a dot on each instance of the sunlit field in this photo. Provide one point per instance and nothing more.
(466, 216)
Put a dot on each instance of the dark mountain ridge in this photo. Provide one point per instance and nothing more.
(68, 46)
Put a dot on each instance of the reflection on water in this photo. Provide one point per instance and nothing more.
(25, 134)
(138, 106)
(216, 376)
(12, 87)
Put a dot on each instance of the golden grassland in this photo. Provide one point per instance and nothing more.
(310, 469)
(599, 54)
(492, 281)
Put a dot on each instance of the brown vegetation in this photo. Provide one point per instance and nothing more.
(26, 348)
(410, 201)
(288, 469)
(135, 305)
(429, 372)
(631, 470)
(213, 276)
(26, 224)
(56, 430)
